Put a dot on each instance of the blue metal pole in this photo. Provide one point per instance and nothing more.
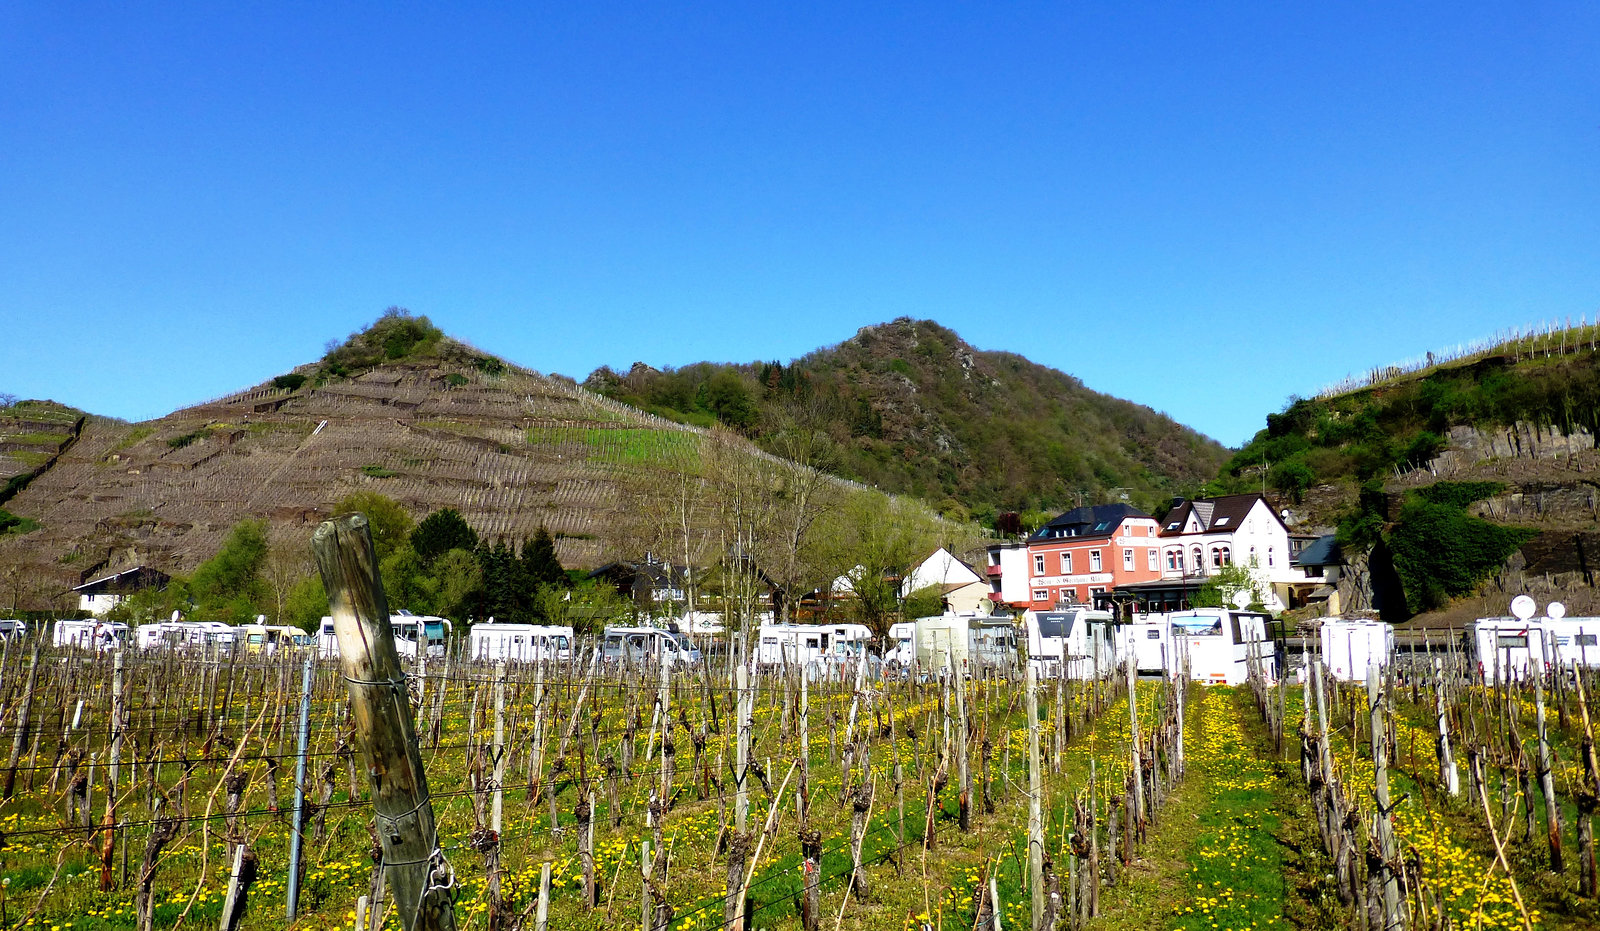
(299, 792)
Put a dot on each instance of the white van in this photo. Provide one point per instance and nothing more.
(1072, 643)
(804, 644)
(101, 636)
(1350, 646)
(185, 635)
(647, 644)
(523, 643)
(901, 650)
(964, 640)
(13, 629)
(409, 630)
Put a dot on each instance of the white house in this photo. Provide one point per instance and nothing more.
(1008, 574)
(963, 589)
(1199, 537)
(98, 596)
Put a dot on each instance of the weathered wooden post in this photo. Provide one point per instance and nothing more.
(963, 770)
(1447, 760)
(1547, 782)
(297, 829)
(419, 876)
(1393, 915)
(23, 722)
(741, 759)
(1035, 793)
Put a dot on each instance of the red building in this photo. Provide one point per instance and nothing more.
(1089, 551)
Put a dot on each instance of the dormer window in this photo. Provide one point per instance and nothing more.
(1221, 521)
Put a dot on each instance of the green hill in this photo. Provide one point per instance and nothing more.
(910, 407)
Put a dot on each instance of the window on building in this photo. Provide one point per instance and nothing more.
(1127, 560)
(1227, 557)
(1269, 556)
(1066, 563)
(1175, 559)
(1198, 559)
(1252, 555)
(1094, 560)
(1041, 594)
(1154, 564)
(1038, 564)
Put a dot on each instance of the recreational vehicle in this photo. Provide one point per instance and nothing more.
(523, 643)
(647, 644)
(965, 641)
(1509, 647)
(1216, 643)
(901, 650)
(409, 631)
(185, 635)
(101, 636)
(13, 629)
(1074, 643)
(1350, 646)
(271, 638)
(780, 644)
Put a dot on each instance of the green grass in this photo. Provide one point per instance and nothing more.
(36, 439)
(378, 471)
(625, 446)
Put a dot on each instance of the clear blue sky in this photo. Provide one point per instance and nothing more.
(1202, 207)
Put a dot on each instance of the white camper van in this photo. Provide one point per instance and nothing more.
(1216, 643)
(1575, 640)
(965, 641)
(1350, 646)
(1072, 643)
(524, 643)
(901, 649)
(101, 636)
(804, 644)
(410, 630)
(647, 644)
(196, 636)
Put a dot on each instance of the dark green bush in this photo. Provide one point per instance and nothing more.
(291, 382)
(1441, 552)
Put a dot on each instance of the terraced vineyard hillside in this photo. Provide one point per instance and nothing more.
(509, 448)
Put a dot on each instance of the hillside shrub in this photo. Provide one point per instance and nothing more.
(11, 523)
(1459, 494)
(1441, 552)
(394, 336)
(290, 382)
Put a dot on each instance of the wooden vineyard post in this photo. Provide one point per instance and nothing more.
(1447, 760)
(297, 828)
(495, 812)
(741, 759)
(963, 770)
(1393, 916)
(1035, 806)
(803, 790)
(119, 727)
(419, 876)
(23, 722)
(542, 917)
(1547, 782)
(1587, 798)
(1136, 816)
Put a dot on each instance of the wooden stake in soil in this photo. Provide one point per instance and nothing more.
(419, 876)
(1035, 797)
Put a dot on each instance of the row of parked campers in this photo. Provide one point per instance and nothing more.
(412, 632)
(527, 643)
(806, 644)
(1511, 648)
(1216, 643)
(178, 635)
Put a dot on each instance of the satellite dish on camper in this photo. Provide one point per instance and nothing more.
(1556, 611)
(1523, 607)
(1242, 598)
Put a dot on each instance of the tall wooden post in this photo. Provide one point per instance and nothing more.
(297, 829)
(1035, 806)
(1547, 782)
(419, 875)
(499, 746)
(1137, 816)
(23, 721)
(1447, 761)
(741, 759)
(963, 769)
(1393, 916)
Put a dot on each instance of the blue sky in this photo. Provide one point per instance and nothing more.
(1204, 208)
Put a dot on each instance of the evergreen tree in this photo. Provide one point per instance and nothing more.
(440, 532)
(539, 561)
